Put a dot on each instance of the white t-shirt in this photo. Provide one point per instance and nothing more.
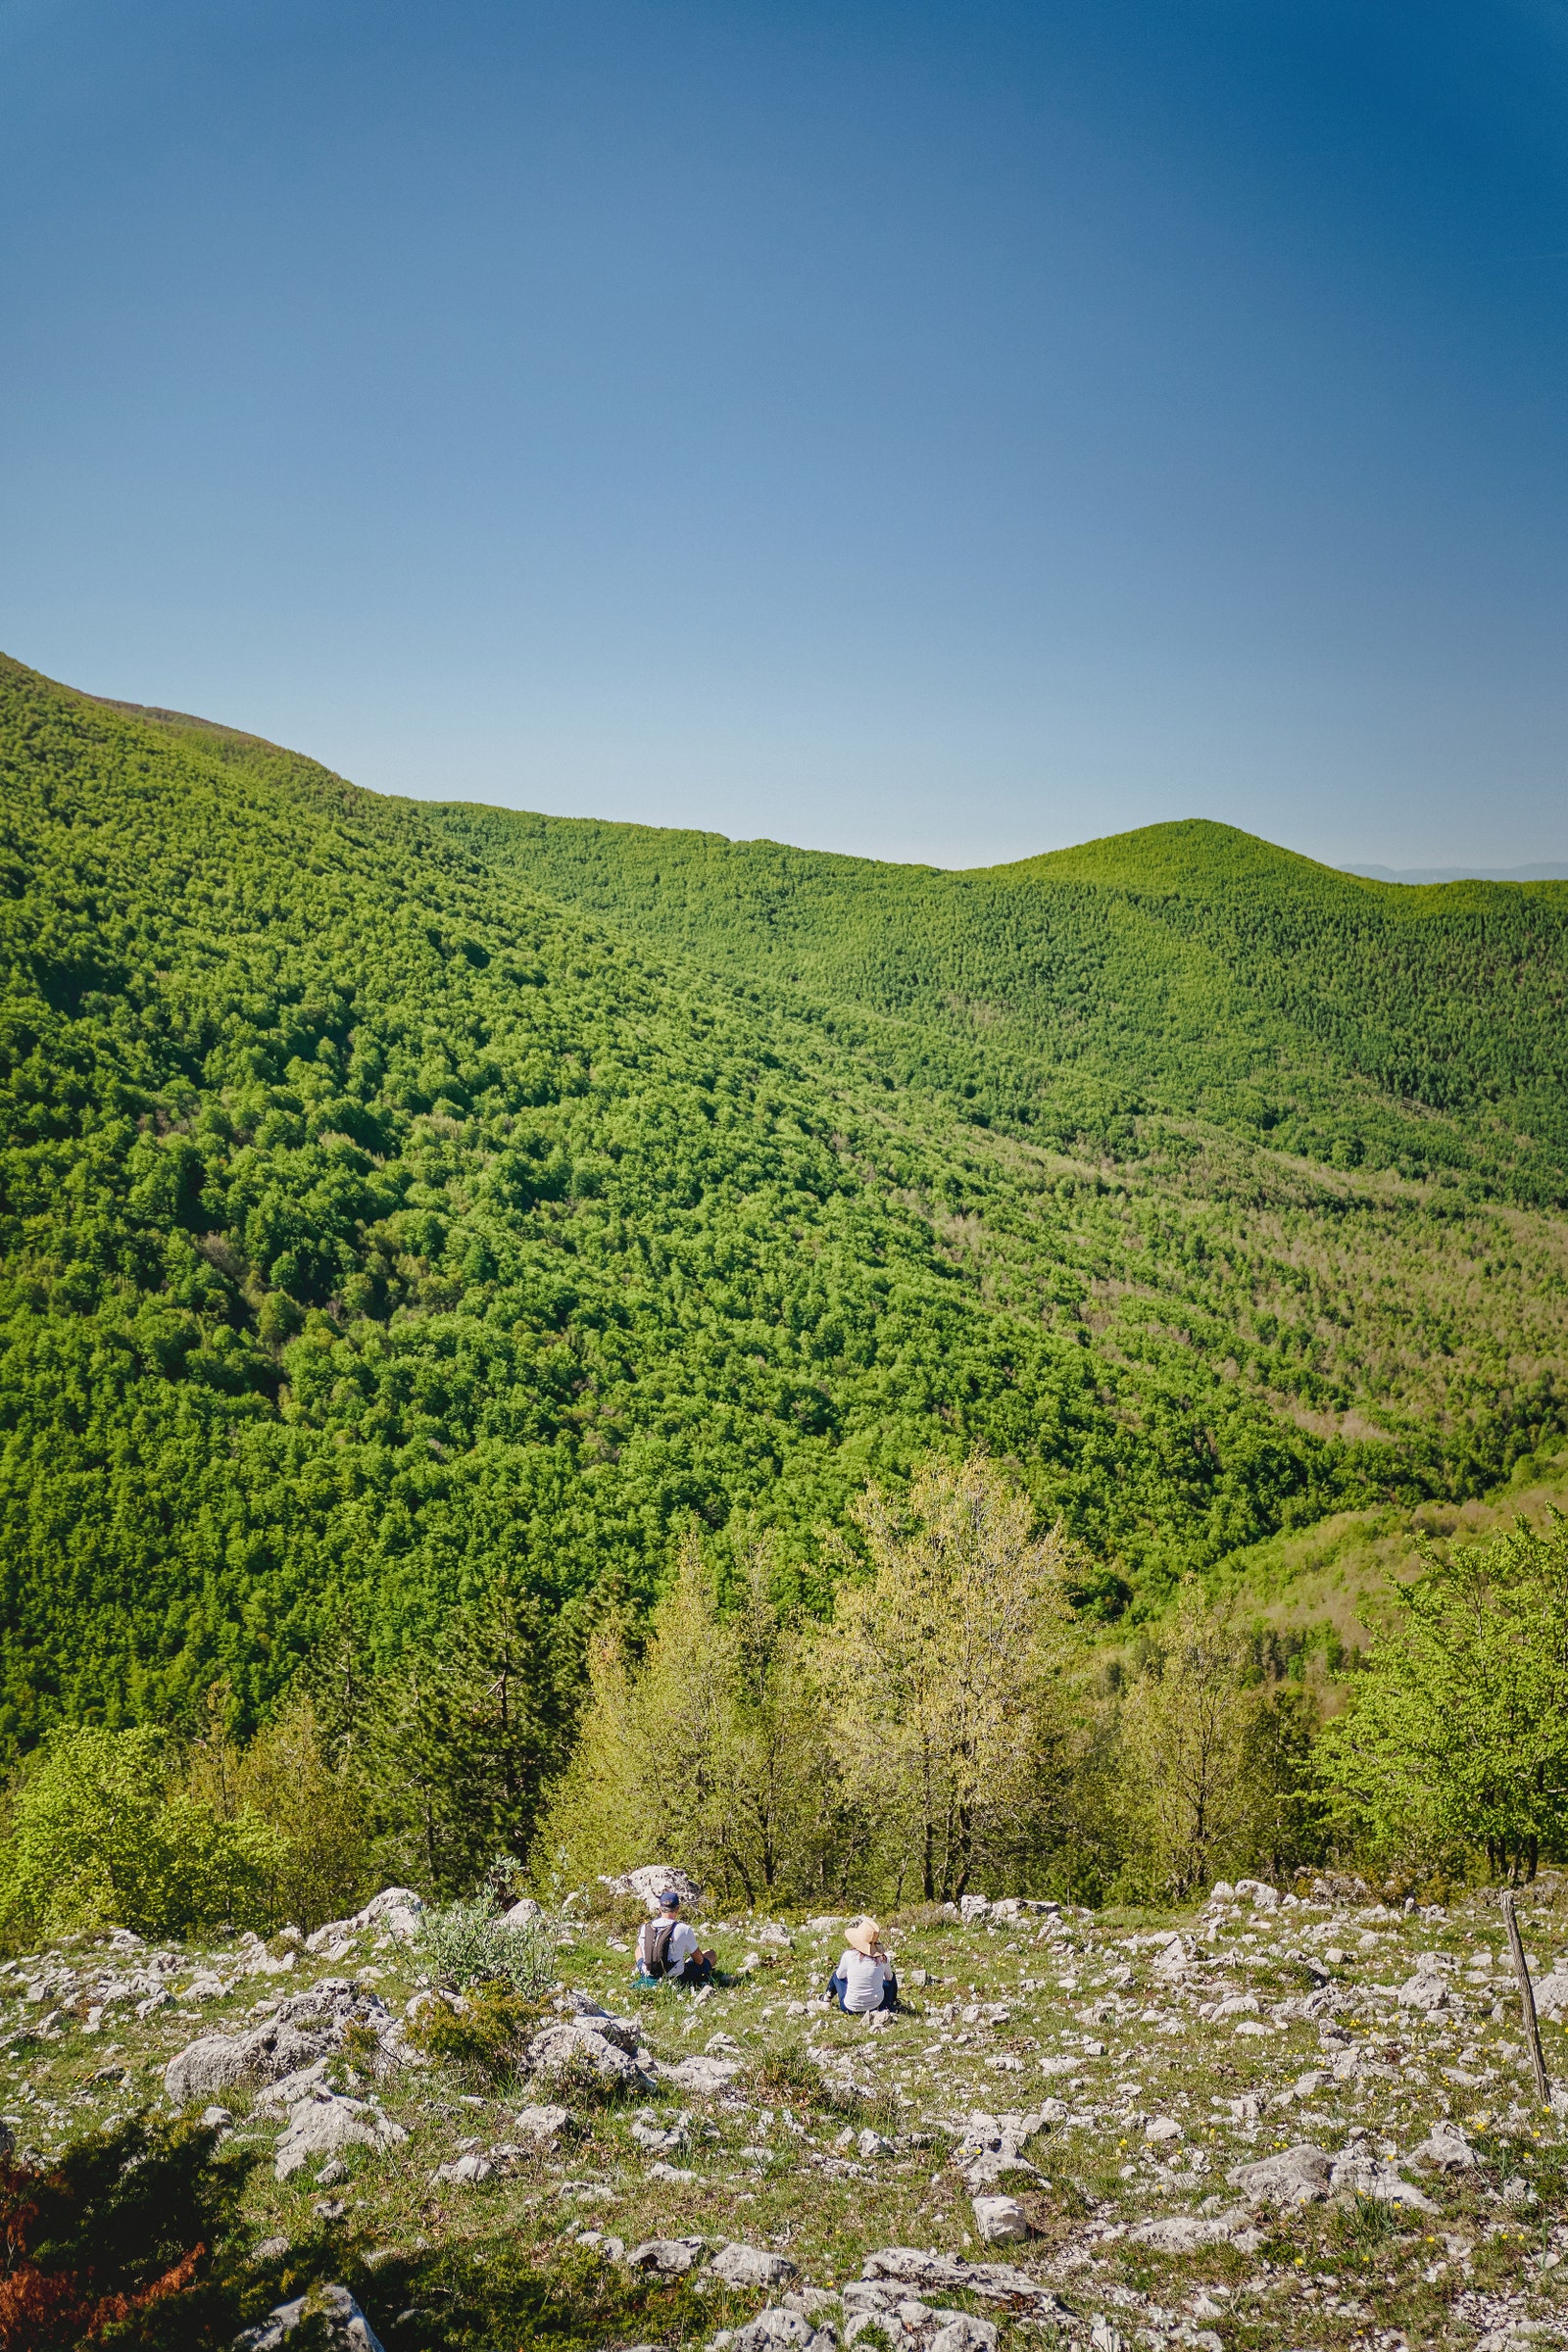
(864, 1981)
(682, 1943)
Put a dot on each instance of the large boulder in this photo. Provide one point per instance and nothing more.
(576, 2045)
(346, 2327)
(752, 2266)
(1296, 2176)
(654, 1878)
(216, 2061)
(326, 2126)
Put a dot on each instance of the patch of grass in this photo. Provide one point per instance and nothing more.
(791, 2075)
(473, 2295)
(1365, 2226)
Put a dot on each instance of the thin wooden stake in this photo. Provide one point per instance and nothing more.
(1527, 1998)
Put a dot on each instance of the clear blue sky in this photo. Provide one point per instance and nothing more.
(935, 431)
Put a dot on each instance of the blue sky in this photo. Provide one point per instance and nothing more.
(937, 432)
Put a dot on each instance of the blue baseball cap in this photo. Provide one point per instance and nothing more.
(669, 1900)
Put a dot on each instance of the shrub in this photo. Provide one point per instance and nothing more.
(101, 1836)
(126, 2238)
(484, 2038)
(468, 1944)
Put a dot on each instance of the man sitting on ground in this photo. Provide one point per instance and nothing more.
(668, 1949)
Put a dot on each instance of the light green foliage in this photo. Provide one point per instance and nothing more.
(103, 1836)
(715, 1748)
(468, 1944)
(1186, 967)
(1187, 1726)
(1457, 1735)
(946, 1670)
(315, 1812)
(377, 1231)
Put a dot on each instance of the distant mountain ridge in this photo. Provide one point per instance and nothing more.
(1425, 874)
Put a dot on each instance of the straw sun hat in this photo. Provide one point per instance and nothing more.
(862, 1935)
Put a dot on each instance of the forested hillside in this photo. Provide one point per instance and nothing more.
(1185, 969)
(375, 1221)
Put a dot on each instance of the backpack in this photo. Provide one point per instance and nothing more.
(656, 1950)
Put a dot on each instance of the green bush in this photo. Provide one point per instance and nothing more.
(485, 2037)
(468, 1944)
(129, 2238)
(102, 1834)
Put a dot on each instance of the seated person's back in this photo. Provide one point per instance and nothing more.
(863, 1979)
(667, 1945)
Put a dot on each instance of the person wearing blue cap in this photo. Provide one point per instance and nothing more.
(667, 1951)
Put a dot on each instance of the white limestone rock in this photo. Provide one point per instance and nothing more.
(326, 2125)
(1296, 2176)
(998, 2219)
(752, 2266)
(346, 2327)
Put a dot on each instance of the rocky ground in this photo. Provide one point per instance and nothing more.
(1297, 2123)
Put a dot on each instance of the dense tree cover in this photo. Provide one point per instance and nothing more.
(1457, 1735)
(376, 1230)
(1185, 968)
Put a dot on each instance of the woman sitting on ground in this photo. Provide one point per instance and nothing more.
(863, 1979)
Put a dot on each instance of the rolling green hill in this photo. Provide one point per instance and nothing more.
(1183, 969)
(391, 1197)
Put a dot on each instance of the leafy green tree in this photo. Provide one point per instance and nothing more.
(315, 1809)
(460, 1741)
(103, 1834)
(1190, 1726)
(1456, 1732)
(945, 1665)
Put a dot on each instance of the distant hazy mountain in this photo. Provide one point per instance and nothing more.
(1458, 873)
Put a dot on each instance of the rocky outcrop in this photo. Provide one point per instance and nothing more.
(652, 1880)
(326, 2124)
(343, 2323)
(1296, 2176)
(578, 2045)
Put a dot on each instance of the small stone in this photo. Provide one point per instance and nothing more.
(998, 2219)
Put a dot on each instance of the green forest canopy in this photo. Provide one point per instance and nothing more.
(393, 1194)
